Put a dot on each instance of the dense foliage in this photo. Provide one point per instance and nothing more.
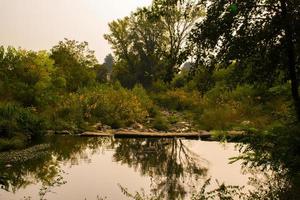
(110, 105)
(62, 91)
(261, 37)
(149, 44)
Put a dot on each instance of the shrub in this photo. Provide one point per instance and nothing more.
(15, 119)
(26, 76)
(218, 118)
(178, 99)
(68, 114)
(180, 80)
(16, 142)
(159, 86)
(144, 99)
(222, 108)
(173, 119)
(160, 123)
(111, 105)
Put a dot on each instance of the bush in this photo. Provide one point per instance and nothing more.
(26, 77)
(219, 118)
(16, 142)
(178, 99)
(144, 99)
(15, 119)
(68, 114)
(180, 80)
(222, 108)
(111, 105)
(159, 86)
(160, 123)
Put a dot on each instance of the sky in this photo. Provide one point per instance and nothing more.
(41, 24)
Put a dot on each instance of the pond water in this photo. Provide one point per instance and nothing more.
(94, 168)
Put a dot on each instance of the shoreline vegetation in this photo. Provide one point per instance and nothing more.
(109, 107)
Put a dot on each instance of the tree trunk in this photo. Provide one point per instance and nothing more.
(291, 56)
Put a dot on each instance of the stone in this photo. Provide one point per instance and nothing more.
(63, 132)
(245, 123)
(50, 132)
(137, 126)
(106, 127)
(97, 126)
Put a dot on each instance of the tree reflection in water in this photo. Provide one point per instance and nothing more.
(174, 169)
(172, 165)
(176, 172)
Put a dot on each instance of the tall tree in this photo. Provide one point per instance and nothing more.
(137, 43)
(75, 62)
(178, 18)
(104, 71)
(109, 62)
(151, 40)
(262, 36)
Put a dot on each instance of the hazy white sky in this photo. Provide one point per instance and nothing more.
(40, 24)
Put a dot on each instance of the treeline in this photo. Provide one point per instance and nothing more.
(61, 90)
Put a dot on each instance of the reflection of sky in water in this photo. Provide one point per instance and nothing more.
(218, 156)
(95, 172)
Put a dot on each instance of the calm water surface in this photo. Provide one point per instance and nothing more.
(93, 168)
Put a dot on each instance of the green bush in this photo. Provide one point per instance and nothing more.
(180, 80)
(16, 142)
(218, 118)
(222, 108)
(160, 123)
(15, 119)
(178, 99)
(159, 86)
(219, 135)
(280, 90)
(111, 105)
(144, 99)
(26, 77)
(173, 119)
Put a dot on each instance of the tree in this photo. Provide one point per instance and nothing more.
(109, 62)
(262, 37)
(136, 44)
(102, 73)
(178, 18)
(75, 62)
(26, 76)
(149, 42)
